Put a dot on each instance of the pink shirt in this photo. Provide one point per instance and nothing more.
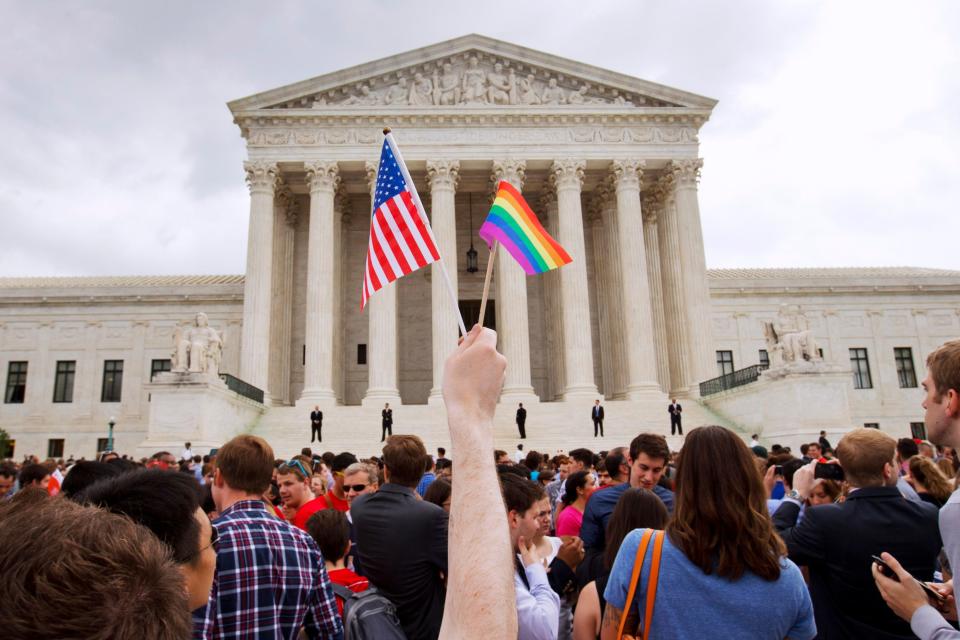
(569, 521)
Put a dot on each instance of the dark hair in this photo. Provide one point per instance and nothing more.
(532, 461)
(85, 473)
(444, 463)
(803, 448)
(31, 473)
(306, 451)
(720, 520)
(498, 453)
(614, 460)
(441, 451)
(637, 508)
(519, 494)
(165, 503)
(111, 578)
(342, 461)
(246, 464)
(514, 469)
(546, 476)
(583, 456)
(907, 448)
(655, 446)
(206, 499)
(789, 468)
(404, 456)
(331, 531)
(575, 481)
(438, 491)
(122, 465)
(7, 470)
(328, 457)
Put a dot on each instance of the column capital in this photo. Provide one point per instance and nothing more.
(627, 174)
(262, 176)
(686, 173)
(371, 167)
(548, 198)
(443, 174)
(567, 173)
(322, 176)
(511, 170)
(287, 203)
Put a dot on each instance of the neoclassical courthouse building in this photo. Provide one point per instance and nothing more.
(611, 165)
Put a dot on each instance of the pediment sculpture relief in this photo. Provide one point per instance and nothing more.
(472, 80)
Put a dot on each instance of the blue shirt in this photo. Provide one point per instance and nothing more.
(425, 482)
(692, 604)
(600, 508)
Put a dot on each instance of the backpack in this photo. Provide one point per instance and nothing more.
(368, 615)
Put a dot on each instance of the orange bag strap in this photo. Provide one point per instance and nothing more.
(637, 566)
(652, 582)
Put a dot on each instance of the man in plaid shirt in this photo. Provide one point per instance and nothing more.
(270, 580)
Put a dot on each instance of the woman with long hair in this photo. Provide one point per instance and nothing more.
(721, 556)
(931, 485)
(637, 508)
(577, 490)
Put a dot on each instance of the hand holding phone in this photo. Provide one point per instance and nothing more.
(885, 569)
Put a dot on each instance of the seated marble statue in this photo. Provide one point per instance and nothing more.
(197, 349)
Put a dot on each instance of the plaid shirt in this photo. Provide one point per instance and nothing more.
(270, 581)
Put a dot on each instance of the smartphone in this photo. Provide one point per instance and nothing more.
(778, 470)
(828, 471)
(888, 572)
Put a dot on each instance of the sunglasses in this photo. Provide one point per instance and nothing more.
(296, 464)
(356, 488)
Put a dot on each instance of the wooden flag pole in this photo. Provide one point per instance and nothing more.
(486, 282)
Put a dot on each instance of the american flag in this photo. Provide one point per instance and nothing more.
(401, 240)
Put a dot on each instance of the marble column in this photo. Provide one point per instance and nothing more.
(614, 284)
(652, 208)
(281, 319)
(382, 339)
(513, 324)
(567, 175)
(255, 345)
(552, 303)
(668, 238)
(443, 176)
(341, 217)
(696, 292)
(323, 179)
(602, 296)
(637, 317)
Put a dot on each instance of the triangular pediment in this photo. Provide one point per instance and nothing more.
(472, 72)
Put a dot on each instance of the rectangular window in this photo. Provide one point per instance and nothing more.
(724, 362)
(159, 366)
(16, 383)
(63, 381)
(871, 425)
(764, 358)
(861, 369)
(905, 373)
(918, 431)
(102, 445)
(112, 381)
(361, 354)
(55, 448)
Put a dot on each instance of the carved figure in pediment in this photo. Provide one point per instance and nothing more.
(552, 94)
(318, 102)
(619, 99)
(446, 87)
(579, 96)
(474, 82)
(398, 93)
(421, 93)
(527, 90)
(364, 98)
(499, 87)
(197, 349)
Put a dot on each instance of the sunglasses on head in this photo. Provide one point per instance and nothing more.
(296, 464)
(357, 488)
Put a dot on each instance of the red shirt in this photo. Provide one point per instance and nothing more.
(350, 580)
(307, 510)
(336, 503)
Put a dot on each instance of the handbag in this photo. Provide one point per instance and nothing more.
(652, 581)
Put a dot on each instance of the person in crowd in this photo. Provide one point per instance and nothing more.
(187, 453)
(358, 479)
(824, 492)
(603, 477)
(444, 468)
(537, 604)
(532, 462)
(331, 531)
(574, 500)
(906, 449)
(596, 414)
(34, 475)
(386, 422)
(472, 380)
(85, 473)
(91, 574)
(519, 454)
(299, 502)
(616, 465)
(521, 420)
(8, 478)
(647, 459)
(556, 487)
(163, 460)
(719, 542)
(168, 504)
(926, 449)
(441, 454)
(636, 509)
(429, 475)
(941, 405)
(929, 482)
(676, 417)
(546, 478)
(501, 457)
(824, 443)
(788, 469)
(336, 498)
(318, 481)
(581, 460)
(439, 493)
(836, 541)
(270, 579)
(404, 539)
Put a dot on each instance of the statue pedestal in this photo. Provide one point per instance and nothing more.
(196, 408)
(790, 405)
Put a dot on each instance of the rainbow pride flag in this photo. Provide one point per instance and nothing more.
(514, 225)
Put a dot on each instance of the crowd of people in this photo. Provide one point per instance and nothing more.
(721, 538)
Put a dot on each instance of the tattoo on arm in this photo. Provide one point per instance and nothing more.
(611, 618)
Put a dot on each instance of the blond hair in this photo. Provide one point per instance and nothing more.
(863, 453)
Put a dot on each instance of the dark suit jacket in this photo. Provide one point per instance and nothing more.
(521, 416)
(316, 416)
(596, 413)
(674, 410)
(836, 541)
(387, 415)
(404, 545)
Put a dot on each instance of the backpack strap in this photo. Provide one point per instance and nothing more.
(637, 566)
(652, 582)
(341, 591)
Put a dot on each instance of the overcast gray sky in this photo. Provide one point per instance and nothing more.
(836, 141)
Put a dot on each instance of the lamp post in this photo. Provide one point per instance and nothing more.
(110, 423)
(471, 252)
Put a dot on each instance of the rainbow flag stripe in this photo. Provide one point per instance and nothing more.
(514, 225)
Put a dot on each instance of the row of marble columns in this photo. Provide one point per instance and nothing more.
(651, 290)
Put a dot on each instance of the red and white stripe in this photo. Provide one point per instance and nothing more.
(401, 242)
